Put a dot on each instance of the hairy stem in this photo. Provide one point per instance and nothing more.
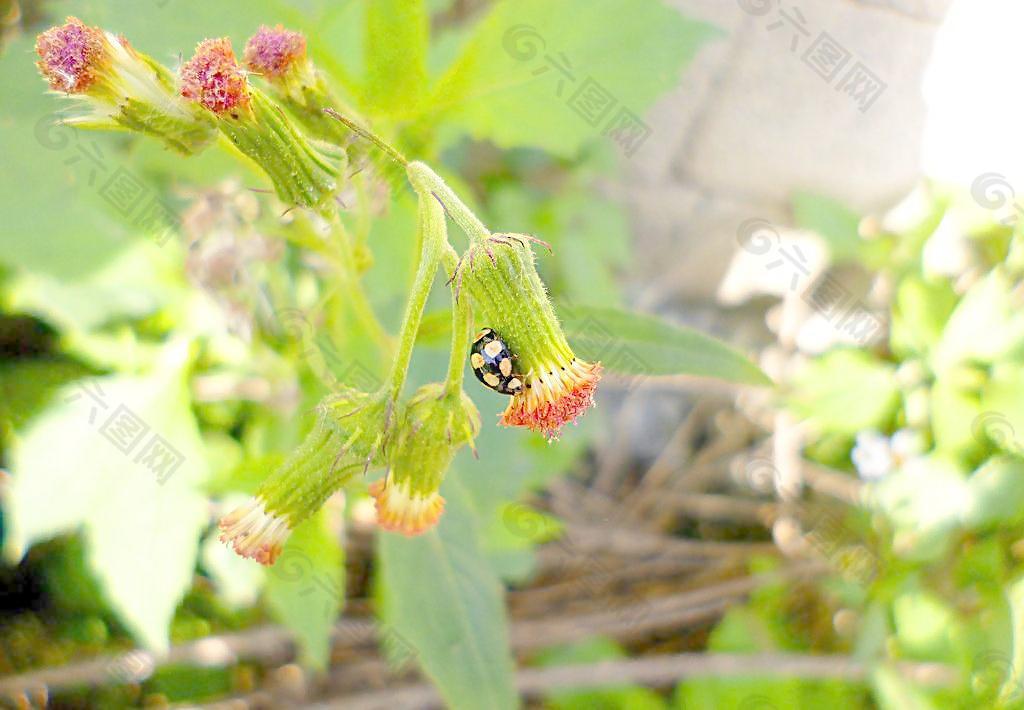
(431, 182)
(433, 235)
(462, 321)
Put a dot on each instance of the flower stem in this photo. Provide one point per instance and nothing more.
(462, 321)
(433, 235)
(461, 214)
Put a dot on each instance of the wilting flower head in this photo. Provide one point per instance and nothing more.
(213, 77)
(294, 492)
(509, 297)
(274, 52)
(436, 426)
(121, 87)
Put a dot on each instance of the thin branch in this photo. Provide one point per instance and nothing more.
(658, 672)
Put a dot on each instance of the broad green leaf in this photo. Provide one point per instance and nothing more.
(505, 86)
(71, 472)
(638, 344)
(306, 588)
(395, 56)
(846, 391)
(440, 598)
(832, 221)
(134, 283)
(26, 386)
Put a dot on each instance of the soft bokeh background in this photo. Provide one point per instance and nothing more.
(850, 537)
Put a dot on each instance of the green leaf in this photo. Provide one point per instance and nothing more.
(1002, 408)
(846, 391)
(26, 386)
(70, 472)
(925, 626)
(832, 221)
(395, 56)
(955, 413)
(134, 283)
(925, 502)
(625, 696)
(893, 692)
(743, 630)
(1015, 676)
(633, 49)
(986, 325)
(921, 311)
(638, 344)
(306, 588)
(439, 596)
(996, 493)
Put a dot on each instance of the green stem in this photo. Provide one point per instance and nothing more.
(431, 182)
(462, 321)
(433, 237)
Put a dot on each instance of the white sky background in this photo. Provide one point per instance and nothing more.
(975, 121)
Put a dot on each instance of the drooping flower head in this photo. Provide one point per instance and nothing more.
(71, 55)
(509, 297)
(213, 77)
(438, 423)
(274, 52)
(294, 492)
(119, 86)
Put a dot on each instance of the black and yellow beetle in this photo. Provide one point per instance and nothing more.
(492, 363)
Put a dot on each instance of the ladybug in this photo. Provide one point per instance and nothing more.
(492, 363)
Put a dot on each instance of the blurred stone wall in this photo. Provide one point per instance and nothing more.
(785, 100)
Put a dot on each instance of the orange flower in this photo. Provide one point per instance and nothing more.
(509, 297)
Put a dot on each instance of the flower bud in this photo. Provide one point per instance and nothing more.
(509, 297)
(294, 492)
(277, 54)
(303, 173)
(122, 87)
(279, 57)
(437, 424)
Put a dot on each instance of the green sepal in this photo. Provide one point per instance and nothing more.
(309, 475)
(437, 423)
(304, 173)
(508, 296)
(362, 422)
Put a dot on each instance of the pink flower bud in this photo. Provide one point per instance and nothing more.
(70, 55)
(273, 52)
(213, 77)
